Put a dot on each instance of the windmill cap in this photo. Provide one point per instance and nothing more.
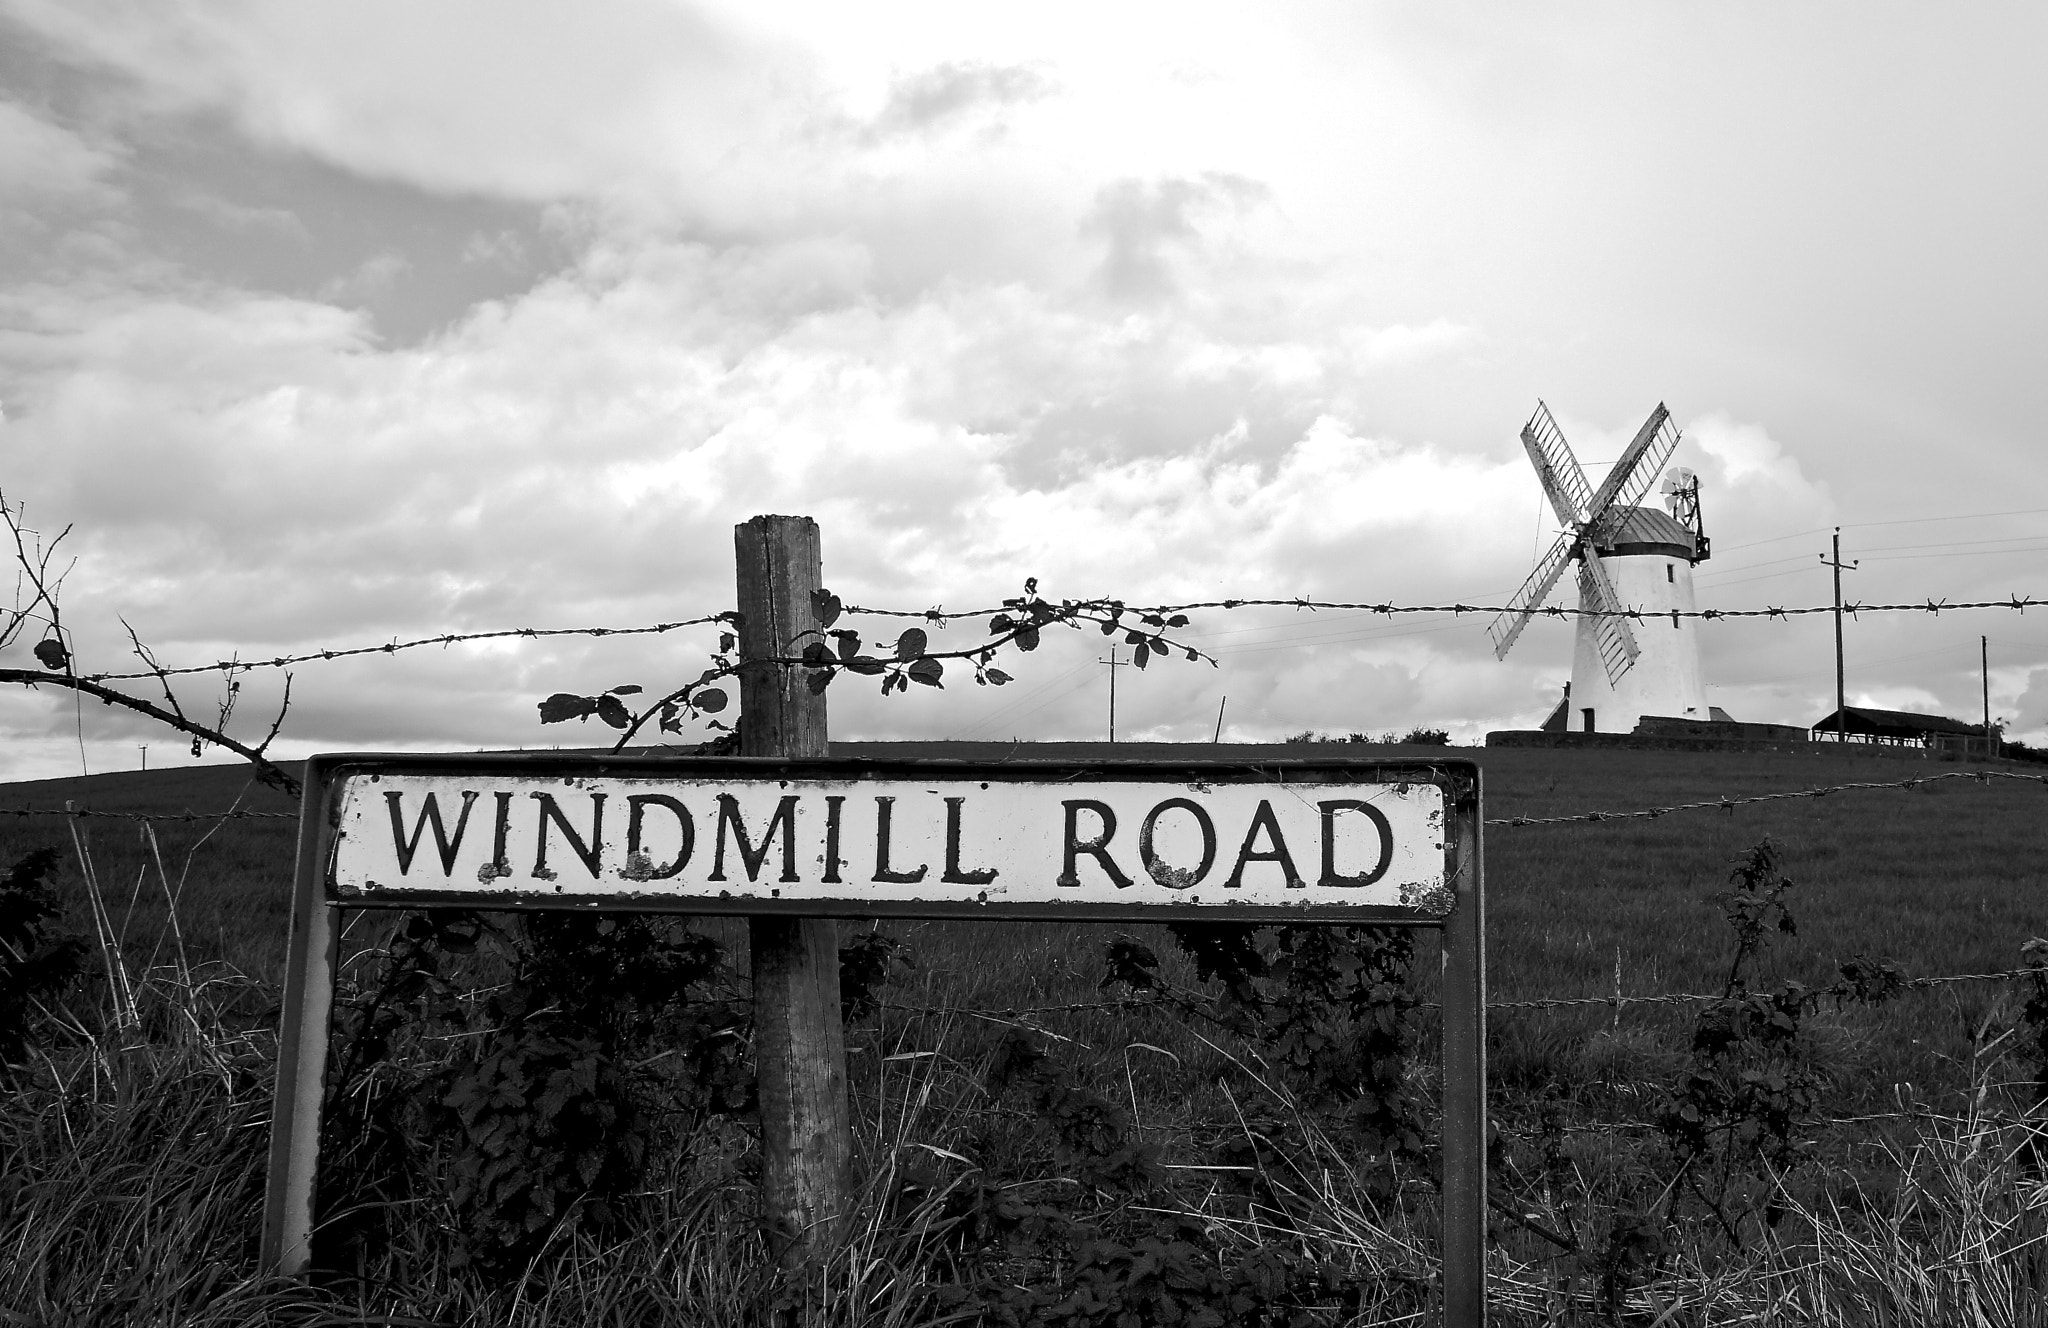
(1633, 530)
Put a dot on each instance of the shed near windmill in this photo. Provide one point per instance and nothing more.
(1905, 728)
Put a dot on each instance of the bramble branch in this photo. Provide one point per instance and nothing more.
(269, 771)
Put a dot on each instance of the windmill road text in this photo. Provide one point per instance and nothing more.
(967, 844)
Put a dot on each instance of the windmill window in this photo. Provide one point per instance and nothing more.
(1670, 575)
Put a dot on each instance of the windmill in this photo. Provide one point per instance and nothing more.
(1635, 567)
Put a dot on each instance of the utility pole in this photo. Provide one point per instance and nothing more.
(1841, 703)
(145, 753)
(1114, 664)
(1984, 663)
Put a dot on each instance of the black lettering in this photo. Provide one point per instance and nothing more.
(1331, 877)
(588, 852)
(783, 819)
(1263, 818)
(1177, 878)
(501, 857)
(954, 875)
(1097, 848)
(431, 811)
(883, 809)
(637, 806)
(833, 862)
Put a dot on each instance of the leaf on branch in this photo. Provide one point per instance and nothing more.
(1154, 620)
(1109, 627)
(562, 706)
(1134, 638)
(849, 643)
(998, 677)
(726, 641)
(1028, 639)
(817, 654)
(710, 701)
(1140, 655)
(820, 679)
(627, 690)
(865, 664)
(613, 711)
(1177, 620)
(825, 606)
(52, 653)
(999, 624)
(911, 644)
(671, 718)
(1031, 585)
(928, 672)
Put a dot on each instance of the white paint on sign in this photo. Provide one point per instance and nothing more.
(1127, 843)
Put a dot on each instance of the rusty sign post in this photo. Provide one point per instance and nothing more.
(1295, 841)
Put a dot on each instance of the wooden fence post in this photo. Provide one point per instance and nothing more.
(799, 1041)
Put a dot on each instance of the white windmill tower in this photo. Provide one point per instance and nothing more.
(1632, 560)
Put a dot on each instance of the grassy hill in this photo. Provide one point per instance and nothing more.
(1941, 879)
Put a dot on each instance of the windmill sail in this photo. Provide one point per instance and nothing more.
(1618, 648)
(1564, 481)
(1635, 470)
(1529, 598)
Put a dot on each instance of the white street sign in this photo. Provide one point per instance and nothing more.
(740, 838)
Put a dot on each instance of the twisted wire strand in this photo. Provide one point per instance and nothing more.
(937, 614)
(1725, 803)
(1936, 606)
(393, 647)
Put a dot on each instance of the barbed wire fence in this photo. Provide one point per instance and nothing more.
(1031, 1016)
(940, 615)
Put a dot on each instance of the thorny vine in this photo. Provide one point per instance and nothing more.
(40, 581)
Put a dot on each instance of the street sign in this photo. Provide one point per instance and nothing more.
(743, 836)
(1316, 840)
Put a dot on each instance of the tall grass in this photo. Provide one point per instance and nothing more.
(132, 1150)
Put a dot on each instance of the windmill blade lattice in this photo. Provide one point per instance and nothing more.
(1635, 470)
(1505, 628)
(1563, 479)
(1618, 648)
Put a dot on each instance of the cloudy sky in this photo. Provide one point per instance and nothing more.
(325, 324)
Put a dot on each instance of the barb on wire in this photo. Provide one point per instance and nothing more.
(1728, 804)
(393, 647)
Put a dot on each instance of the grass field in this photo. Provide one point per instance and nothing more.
(1940, 879)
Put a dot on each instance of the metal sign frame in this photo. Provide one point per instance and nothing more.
(1454, 906)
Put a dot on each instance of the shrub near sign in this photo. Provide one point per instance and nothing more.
(733, 835)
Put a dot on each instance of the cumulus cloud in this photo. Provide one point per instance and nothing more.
(947, 94)
(41, 157)
(1144, 224)
(986, 308)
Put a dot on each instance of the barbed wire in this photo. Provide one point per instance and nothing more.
(393, 647)
(243, 814)
(937, 614)
(2022, 603)
(1553, 1003)
(1725, 803)
(1700, 998)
